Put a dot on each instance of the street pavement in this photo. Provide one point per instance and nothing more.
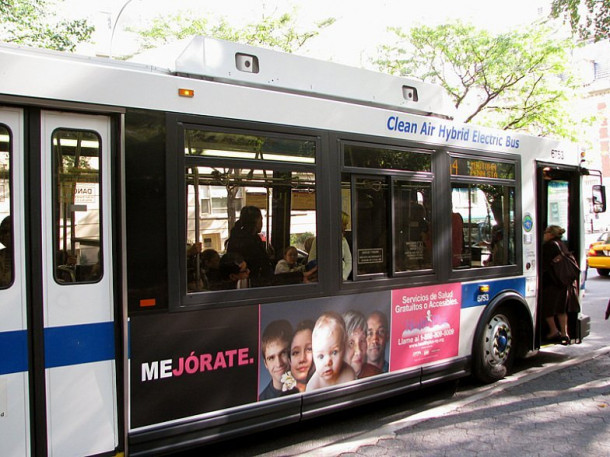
(561, 411)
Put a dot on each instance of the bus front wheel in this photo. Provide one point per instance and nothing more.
(495, 349)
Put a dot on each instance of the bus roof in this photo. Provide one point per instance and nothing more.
(237, 63)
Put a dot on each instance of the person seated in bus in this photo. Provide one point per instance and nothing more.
(289, 264)
(66, 266)
(6, 252)
(328, 342)
(355, 352)
(233, 273)
(245, 240)
(195, 271)
(275, 346)
(307, 246)
(377, 332)
(211, 264)
(457, 239)
(496, 247)
(346, 253)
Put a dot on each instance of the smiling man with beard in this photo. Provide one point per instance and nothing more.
(376, 340)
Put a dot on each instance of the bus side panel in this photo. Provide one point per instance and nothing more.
(190, 363)
(14, 385)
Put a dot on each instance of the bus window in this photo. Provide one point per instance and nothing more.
(558, 203)
(249, 199)
(6, 228)
(483, 225)
(77, 205)
(391, 207)
(412, 225)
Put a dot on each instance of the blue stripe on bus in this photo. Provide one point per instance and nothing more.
(13, 352)
(78, 344)
(472, 297)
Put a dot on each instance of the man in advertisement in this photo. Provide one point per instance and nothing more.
(376, 340)
(275, 345)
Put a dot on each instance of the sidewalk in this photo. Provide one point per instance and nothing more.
(563, 412)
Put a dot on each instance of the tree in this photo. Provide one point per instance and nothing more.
(276, 32)
(515, 80)
(32, 23)
(587, 18)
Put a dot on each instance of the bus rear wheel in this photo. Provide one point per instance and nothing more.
(494, 354)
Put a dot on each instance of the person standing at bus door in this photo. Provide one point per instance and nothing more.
(554, 296)
(275, 345)
(6, 252)
(376, 340)
(355, 352)
(245, 240)
(301, 356)
(328, 342)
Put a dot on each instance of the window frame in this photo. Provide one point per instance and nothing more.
(470, 273)
(55, 215)
(178, 161)
(391, 175)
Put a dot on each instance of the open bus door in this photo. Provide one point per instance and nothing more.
(559, 203)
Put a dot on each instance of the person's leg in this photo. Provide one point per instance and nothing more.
(563, 324)
(553, 330)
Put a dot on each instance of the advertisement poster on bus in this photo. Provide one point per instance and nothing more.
(185, 364)
(425, 324)
(311, 344)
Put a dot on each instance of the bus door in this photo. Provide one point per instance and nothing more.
(14, 382)
(80, 388)
(559, 203)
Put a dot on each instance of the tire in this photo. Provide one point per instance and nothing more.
(494, 351)
(603, 271)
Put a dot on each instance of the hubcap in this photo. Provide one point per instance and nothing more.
(498, 340)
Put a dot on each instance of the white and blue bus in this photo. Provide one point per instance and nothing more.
(149, 300)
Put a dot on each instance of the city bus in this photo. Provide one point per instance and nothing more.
(248, 239)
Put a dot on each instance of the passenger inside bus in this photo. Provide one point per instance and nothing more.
(233, 273)
(289, 265)
(6, 253)
(245, 240)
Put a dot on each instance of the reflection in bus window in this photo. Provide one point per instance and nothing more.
(483, 225)
(77, 205)
(6, 228)
(249, 198)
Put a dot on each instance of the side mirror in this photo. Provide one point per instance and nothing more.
(598, 198)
